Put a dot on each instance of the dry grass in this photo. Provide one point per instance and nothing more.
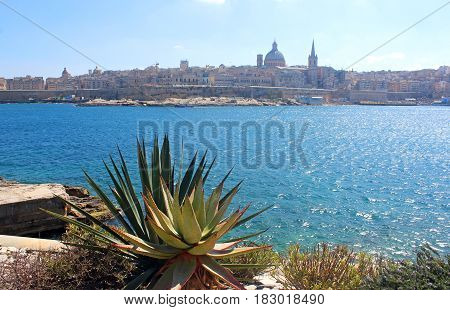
(74, 269)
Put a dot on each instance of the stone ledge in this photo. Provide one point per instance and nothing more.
(21, 204)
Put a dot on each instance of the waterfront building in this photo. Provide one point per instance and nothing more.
(65, 82)
(3, 84)
(441, 89)
(25, 83)
(96, 71)
(274, 58)
(269, 71)
(65, 74)
(294, 77)
(184, 65)
(313, 58)
(372, 85)
(313, 78)
(326, 77)
(259, 60)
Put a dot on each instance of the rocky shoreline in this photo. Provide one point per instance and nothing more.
(192, 102)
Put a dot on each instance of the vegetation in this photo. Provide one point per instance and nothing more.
(246, 267)
(324, 268)
(430, 271)
(79, 268)
(173, 233)
(74, 269)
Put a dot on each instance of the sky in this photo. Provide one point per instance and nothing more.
(130, 34)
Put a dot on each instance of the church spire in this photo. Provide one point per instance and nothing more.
(312, 59)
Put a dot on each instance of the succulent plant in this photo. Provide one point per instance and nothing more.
(174, 232)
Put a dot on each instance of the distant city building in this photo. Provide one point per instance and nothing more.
(65, 82)
(313, 72)
(184, 65)
(3, 85)
(312, 58)
(274, 58)
(96, 71)
(269, 71)
(25, 83)
(65, 74)
(259, 60)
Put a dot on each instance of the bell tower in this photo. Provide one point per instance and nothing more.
(312, 59)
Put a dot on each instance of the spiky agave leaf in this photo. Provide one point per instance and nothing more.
(174, 233)
(182, 244)
(177, 273)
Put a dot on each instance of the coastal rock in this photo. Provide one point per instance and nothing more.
(191, 102)
(264, 282)
(14, 243)
(21, 204)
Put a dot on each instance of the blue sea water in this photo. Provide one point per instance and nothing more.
(374, 178)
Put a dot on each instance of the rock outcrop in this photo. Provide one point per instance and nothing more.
(20, 206)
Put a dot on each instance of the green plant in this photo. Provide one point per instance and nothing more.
(429, 271)
(173, 233)
(248, 266)
(323, 268)
(74, 269)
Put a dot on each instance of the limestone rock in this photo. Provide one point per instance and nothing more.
(21, 204)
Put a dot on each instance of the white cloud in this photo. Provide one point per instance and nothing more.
(178, 47)
(212, 1)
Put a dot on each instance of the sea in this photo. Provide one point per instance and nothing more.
(375, 178)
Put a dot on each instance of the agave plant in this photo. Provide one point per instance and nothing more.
(174, 232)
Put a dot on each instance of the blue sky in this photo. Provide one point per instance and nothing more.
(138, 33)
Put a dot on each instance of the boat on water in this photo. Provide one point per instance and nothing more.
(444, 102)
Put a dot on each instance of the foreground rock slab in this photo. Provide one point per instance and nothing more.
(21, 204)
(13, 242)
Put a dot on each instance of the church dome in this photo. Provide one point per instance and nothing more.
(274, 58)
(65, 73)
(97, 71)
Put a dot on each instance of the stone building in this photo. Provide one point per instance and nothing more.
(379, 85)
(3, 84)
(259, 60)
(313, 72)
(441, 89)
(274, 58)
(65, 82)
(294, 77)
(184, 65)
(25, 83)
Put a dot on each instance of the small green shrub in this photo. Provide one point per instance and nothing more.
(250, 265)
(324, 268)
(430, 271)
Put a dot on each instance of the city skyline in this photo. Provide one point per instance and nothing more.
(149, 33)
